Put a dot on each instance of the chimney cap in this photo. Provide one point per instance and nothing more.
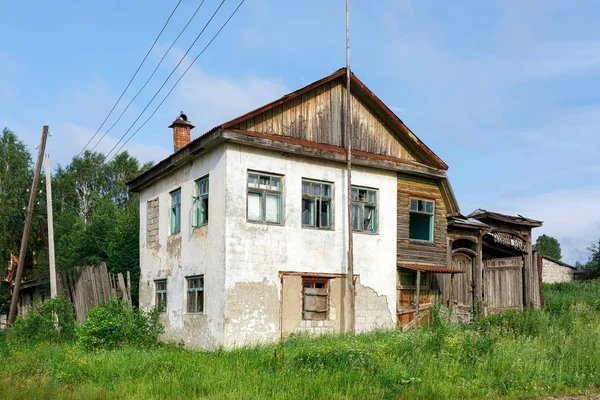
(182, 120)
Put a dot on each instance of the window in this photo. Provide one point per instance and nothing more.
(409, 279)
(195, 294)
(201, 203)
(315, 298)
(316, 204)
(264, 198)
(421, 220)
(175, 211)
(161, 294)
(364, 209)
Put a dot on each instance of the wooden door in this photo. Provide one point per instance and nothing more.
(462, 290)
(503, 284)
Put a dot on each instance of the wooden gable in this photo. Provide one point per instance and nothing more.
(316, 113)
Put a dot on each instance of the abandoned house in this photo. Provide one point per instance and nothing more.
(554, 271)
(243, 231)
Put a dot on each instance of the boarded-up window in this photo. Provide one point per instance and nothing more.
(315, 295)
(152, 221)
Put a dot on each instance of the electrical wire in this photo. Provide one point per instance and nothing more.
(150, 77)
(132, 78)
(166, 80)
(177, 82)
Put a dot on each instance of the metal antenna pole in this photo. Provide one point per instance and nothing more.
(348, 136)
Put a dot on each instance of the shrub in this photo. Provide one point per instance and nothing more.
(116, 323)
(50, 321)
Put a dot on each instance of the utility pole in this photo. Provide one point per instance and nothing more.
(25, 239)
(53, 290)
(348, 136)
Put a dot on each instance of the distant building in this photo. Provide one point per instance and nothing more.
(554, 271)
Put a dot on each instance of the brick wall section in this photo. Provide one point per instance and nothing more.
(553, 272)
(152, 222)
(181, 137)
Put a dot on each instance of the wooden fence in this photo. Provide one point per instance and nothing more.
(90, 286)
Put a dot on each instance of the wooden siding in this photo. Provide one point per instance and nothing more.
(318, 116)
(412, 251)
(503, 284)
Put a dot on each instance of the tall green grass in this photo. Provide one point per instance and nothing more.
(527, 354)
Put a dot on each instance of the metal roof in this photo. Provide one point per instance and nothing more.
(513, 219)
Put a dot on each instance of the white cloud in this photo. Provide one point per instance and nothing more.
(212, 100)
(571, 216)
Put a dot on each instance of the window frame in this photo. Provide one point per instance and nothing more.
(425, 283)
(264, 193)
(314, 281)
(362, 204)
(158, 292)
(316, 201)
(173, 207)
(197, 202)
(431, 214)
(196, 292)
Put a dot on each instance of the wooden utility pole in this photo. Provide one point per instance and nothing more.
(348, 136)
(25, 239)
(53, 289)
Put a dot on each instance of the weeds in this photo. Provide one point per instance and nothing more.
(529, 354)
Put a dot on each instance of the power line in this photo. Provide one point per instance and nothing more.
(176, 83)
(151, 75)
(74, 231)
(168, 77)
(131, 80)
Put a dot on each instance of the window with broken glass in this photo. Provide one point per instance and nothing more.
(175, 211)
(364, 209)
(160, 288)
(195, 294)
(264, 198)
(421, 221)
(316, 204)
(201, 203)
(315, 295)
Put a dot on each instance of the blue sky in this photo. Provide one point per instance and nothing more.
(507, 93)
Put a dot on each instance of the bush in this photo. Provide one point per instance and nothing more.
(50, 321)
(116, 323)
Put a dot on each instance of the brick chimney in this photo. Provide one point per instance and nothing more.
(181, 132)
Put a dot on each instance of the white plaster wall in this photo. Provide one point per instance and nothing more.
(255, 252)
(553, 272)
(191, 252)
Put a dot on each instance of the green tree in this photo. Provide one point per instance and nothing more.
(16, 174)
(97, 218)
(548, 246)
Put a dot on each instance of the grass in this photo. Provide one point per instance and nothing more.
(529, 354)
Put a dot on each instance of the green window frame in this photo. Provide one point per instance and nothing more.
(317, 210)
(200, 217)
(422, 219)
(364, 209)
(160, 289)
(264, 193)
(176, 211)
(195, 294)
